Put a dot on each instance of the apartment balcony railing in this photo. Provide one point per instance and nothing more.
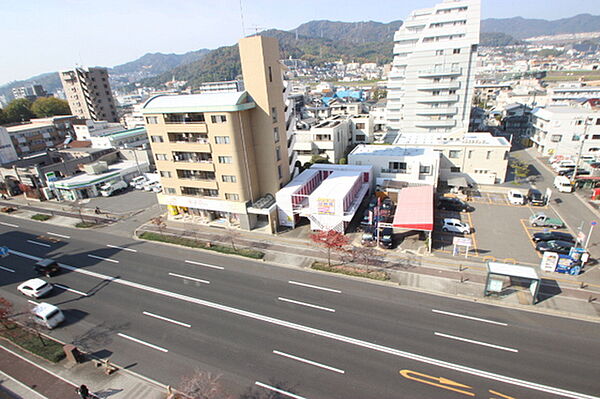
(437, 111)
(401, 171)
(439, 99)
(433, 72)
(439, 86)
(436, 123)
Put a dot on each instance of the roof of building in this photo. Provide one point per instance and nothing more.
(29, 126)
(124, 133)
(337, 184)
(85, 180)
(415, 208)
(205, 102)
(564, 109)
(80, 144)
(391, 151)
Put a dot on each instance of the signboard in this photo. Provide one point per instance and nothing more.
(549, 261)
(326, 206)
(464, 241)
(3, 252)
(51, 176)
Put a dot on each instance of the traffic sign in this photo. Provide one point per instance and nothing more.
(3, 251)
(594, 223)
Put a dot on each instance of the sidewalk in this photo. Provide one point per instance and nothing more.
(26, 376)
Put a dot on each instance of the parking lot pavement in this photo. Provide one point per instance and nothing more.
(497, 199)
(500, 231)
(125, 202)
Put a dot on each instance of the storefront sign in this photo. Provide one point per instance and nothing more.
(549, 261)
(202, 203)
(326, 206)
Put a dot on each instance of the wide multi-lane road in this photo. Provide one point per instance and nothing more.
(164, 311)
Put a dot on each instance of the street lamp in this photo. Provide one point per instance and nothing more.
(587, 122)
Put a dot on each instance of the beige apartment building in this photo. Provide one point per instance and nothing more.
(88, 93)
(223, 156)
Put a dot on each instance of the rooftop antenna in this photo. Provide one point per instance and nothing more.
(242, 18)
(258, 29)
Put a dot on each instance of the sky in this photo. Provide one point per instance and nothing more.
(51, 35)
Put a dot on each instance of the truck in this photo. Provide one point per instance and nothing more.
(541, 219)
(108, 189)
(563, 184)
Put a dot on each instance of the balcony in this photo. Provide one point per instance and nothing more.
(439, 99)
(395, 84)
(195, 175)
(405, 47)
(437, 111)
(195, 138)
(433, 72)
(436, 123)
(196, 157)
(439, 86)
(184, 119)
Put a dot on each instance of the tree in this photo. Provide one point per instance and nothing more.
(2, 117)
(232, 234)
(44, 107)
(5, 312)
(203, 385)
(330, 240)
(159, 222)
(18, 110)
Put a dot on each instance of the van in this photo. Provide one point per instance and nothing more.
(137, 182)
(563, 184)
(47, 315)
(535, 197)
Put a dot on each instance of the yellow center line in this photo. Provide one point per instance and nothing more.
(501, 395)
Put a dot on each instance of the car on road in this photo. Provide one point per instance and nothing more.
(535, 197)
(561, 247)
(454, 204)
(553, 236)
(34, 288)
(515, 197)
(455, 226)
(47, 315)
(48, 267)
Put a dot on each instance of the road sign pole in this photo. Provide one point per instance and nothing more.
(589, 235)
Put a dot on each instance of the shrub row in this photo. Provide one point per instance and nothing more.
(189, 242)
(38, 345)
(351, 271)
(41, 217)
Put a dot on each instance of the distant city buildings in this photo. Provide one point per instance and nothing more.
(88, 93)
(30, 93)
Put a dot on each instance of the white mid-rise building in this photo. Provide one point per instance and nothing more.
(431, 82)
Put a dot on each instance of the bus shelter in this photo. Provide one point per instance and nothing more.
(502, 276)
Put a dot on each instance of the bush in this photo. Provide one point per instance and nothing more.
(41, 217)
(352, 271)
(189, 242)
(85, 225)
(38, 345)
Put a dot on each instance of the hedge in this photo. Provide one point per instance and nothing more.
(189, 242)
(41, 217)
(38, 345)
(352, 271)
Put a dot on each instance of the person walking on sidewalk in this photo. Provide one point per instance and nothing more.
(83, 391)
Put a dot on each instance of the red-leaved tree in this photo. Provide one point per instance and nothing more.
(5, 312)
(330, 240)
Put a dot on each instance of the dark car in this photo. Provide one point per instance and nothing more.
(453, 204)
(580, 172)
(373, 203)
(563, 171)
(535, 197)
(387, 203)
(561, 247)
(386, 239)
(48, 267)
(553, 236)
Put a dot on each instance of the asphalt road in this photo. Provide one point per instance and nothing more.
(163, 311)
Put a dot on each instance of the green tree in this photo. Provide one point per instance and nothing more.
(18, 110)
(49, 106)
(2, 117)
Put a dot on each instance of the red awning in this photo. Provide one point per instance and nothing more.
(414, 209)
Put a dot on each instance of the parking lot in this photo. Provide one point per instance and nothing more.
(500, 230)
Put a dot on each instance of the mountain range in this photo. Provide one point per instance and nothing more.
(314, 41)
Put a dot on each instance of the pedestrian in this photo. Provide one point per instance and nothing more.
(97, 211)
(83, 391)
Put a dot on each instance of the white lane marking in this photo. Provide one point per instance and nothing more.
(281, 391)
(123, 248)
(504, 348)
(315, 287)
(468, 317)
(310, 305)
(38, 243)
(326, 334)
(189, 278)
(7, 269)
(57, 235)
(204, 264)
(102, 258)
(64, 287)
(139, 341)
(32, 302)
(9, 224)
(167, 319)
(20, 384)
(323, 366)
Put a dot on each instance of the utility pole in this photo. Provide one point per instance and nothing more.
(586, 123)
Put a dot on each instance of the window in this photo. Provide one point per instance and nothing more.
(454, 154)
(598, 121)
(454, 169)
(221, 139)
(165, 173)
(274, 114)
(451, 91)
(156, 139)
(425, 169)
(556, 138)
(470, 154)
(456, 51)
(488, 155)
(397, 167)
(596, 137)
(435, 93)
(278, 153)
(278, 166)
(579, 122)
(218, 118)
(232, 197)
(276, 134)
(169, 190)
(160, 157)
(360, 126)
(225, 159)
(229, 179)
(575, 137)
(151, 120)
(439, 52)
(270, 75)
(360, 137)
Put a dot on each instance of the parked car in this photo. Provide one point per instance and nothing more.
(149, 186)
(580, 172)
(366, 221)
(565, 163)
(561, 247)
(48, 267)
(157, 188)
(565, 170)
(454, 204)
(368, 239)
(553, 236)
(535, 197)
(138, 182)
(386, 238)
(563, 184)
(372, 202)
(34, 288)
(387, 203)
(515, 197)
(456, 226)
(542, 220)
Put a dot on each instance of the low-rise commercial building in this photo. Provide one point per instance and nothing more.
(39, 134)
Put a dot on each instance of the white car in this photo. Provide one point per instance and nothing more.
(149, 186)
(456, 226)
(35, 288)
(515, 197)
(157, 188)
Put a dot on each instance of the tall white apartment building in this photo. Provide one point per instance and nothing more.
(431, 82)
